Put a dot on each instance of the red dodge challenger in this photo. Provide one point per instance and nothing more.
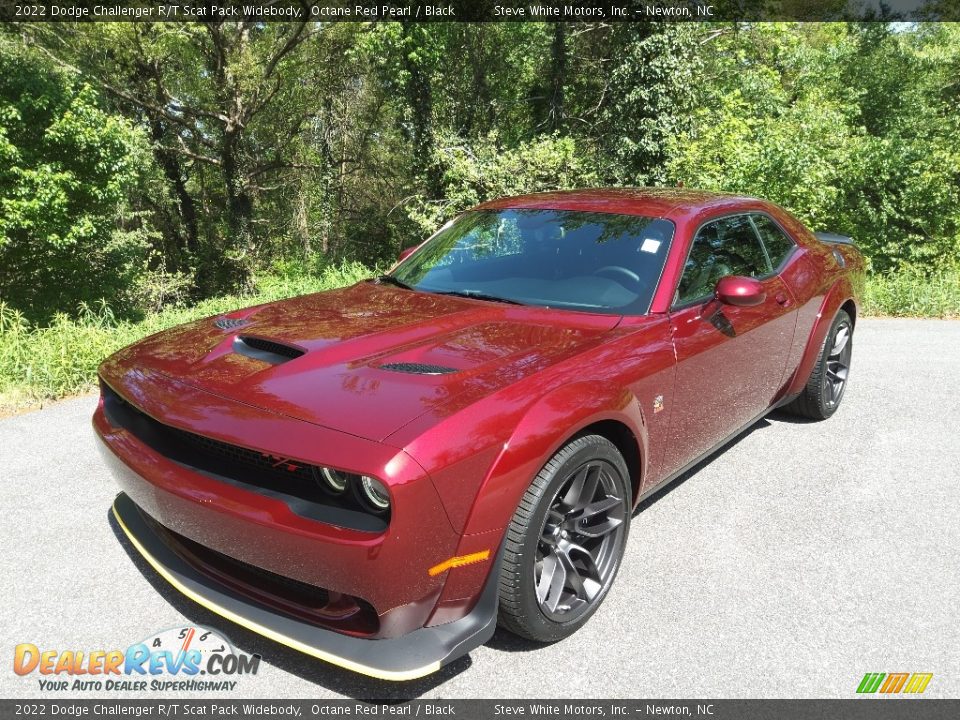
(381, 474)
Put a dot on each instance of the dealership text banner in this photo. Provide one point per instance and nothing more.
(474, 11)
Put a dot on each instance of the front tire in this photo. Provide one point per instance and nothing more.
(565, 542)
(824, 390)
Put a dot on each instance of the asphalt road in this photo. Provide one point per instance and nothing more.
(788, 565)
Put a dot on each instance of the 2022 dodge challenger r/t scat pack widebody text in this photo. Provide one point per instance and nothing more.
(377, 475)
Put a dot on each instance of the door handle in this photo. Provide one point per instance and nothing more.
(782, 299)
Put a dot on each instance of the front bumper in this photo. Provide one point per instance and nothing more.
(407, 657)
(388, 570)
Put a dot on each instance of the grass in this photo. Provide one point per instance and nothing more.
(912, 293)
(60, 359)
(46, 363)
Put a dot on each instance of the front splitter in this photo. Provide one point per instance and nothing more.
(408, 657)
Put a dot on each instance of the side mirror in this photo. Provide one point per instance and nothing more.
(740, 291)
(404, 254)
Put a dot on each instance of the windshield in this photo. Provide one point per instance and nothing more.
(595, 262)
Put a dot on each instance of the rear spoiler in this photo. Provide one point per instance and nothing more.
(833, 238)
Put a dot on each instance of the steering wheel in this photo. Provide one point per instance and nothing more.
(620, 273)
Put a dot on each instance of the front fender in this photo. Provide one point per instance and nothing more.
(547, 426)
(544, 428)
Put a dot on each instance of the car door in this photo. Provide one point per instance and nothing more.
(730, 360)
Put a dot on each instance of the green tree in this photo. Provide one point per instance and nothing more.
(653, 87)
(227, 106)
(67, 171)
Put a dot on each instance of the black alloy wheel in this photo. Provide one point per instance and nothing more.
(566, 541)
(828, 381)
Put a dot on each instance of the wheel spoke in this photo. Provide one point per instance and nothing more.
(600, 529)
(571, 574)
(552, 582)
(840, 340)
(597, 518)
(590, 575)
(837, 374)
(583, 487)
(599, 507)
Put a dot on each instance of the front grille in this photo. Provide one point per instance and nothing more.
(283, 469)
(312, 603)
(296, 483)
(418, 368)
(266, 350)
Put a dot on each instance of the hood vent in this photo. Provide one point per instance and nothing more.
(418, 368)
(266, 350)
(229, 323)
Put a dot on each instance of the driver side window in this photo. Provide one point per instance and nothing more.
(728, 246)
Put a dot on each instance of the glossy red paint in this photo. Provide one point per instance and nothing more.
(740, 291)
(457, 450)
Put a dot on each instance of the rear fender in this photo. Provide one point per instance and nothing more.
(841, 292)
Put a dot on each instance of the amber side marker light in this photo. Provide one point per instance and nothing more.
(459, 561)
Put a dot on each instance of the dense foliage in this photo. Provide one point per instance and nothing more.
(67, 169)
(158, 164)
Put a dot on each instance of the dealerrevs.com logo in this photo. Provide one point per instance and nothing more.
(176, 660)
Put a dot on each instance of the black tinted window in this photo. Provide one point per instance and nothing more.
(723, 247)
(774, 239)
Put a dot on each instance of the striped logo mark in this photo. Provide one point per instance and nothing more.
(918, 682)
(891, 683)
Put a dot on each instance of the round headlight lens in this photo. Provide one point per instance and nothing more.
(335, 481)
(375, 493)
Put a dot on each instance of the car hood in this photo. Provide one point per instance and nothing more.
(371, 358)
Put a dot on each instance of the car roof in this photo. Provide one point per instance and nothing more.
(651, 202)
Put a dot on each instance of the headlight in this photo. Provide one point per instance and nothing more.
(375, 493)
(334, 480)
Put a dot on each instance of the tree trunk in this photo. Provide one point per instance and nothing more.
(173, 171)
(239, 205)
(420, 97)
(558, 78)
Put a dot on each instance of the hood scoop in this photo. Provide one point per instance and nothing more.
(269, 351)
(418, 368)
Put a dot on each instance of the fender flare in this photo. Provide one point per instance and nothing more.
(548, 425)
(837, 296)
(533, 442)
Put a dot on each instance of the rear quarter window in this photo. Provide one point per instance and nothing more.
(776, 242)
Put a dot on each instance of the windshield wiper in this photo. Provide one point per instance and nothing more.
(477, 295)
(391, 280)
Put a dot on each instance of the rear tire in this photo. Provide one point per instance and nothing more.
(565, 542)
(824, 390)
